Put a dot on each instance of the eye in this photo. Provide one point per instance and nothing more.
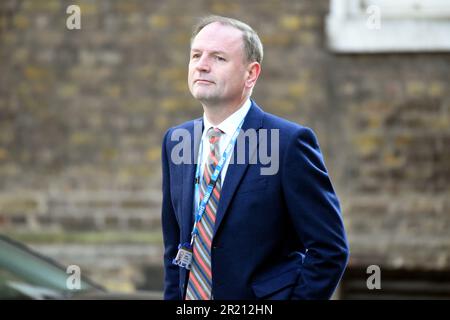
(195, 56)
(220, 58)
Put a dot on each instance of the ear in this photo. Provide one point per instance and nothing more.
(253, 71)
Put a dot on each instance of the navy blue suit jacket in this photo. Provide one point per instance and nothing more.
(277, 236)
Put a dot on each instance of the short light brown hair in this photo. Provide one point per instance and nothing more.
(253, 47)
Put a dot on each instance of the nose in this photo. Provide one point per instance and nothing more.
(203, 64)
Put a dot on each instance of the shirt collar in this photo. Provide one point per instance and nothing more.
(230, 124)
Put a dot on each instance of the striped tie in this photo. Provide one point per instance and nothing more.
(200, 277)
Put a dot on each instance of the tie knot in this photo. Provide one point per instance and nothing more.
(214, 135)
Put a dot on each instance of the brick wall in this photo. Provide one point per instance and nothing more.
(82, 113)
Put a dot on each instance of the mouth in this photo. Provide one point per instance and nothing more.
(203, 81)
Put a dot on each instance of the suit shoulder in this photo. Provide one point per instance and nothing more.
(287, 128)
(188, 125)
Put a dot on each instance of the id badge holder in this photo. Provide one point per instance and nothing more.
(184, 256)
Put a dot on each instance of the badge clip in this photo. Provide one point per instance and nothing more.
(184, 256)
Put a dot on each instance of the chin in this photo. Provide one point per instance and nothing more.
(202, 96)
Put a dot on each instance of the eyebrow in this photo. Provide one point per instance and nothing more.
(212, 52)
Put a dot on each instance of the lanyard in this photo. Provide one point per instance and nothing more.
(202, 206)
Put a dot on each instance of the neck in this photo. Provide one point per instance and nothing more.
(216, 114)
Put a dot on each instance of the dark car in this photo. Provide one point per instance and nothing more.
(26, 274)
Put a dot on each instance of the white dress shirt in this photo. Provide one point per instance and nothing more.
(228, 127)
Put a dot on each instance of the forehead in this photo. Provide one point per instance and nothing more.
(218, 37)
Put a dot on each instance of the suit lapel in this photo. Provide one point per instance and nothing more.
(188, 174)
(235, 171)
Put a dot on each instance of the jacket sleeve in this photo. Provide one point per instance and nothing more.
(170, 230)
(314, 210)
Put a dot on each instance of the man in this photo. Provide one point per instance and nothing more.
(232, 230)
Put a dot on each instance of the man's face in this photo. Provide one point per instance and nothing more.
(217, 72)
